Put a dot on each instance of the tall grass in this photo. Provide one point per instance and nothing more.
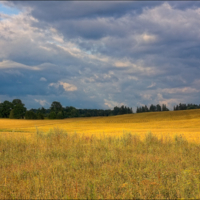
(59, 165)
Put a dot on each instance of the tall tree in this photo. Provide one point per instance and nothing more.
(56, 107)
(158, 107)
(146, 108)
(164, 107)
(152, 108)
(19, 109)
(52, 115)
(43, 110)
(5, 109)
(16, 102)
(18, 112)
(30, 115)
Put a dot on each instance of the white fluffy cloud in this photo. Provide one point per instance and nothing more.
(43, 79)
(111, 103)
(7, 64)
(42, 102)
(66, 86)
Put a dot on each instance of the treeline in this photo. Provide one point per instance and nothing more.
(186, 106)
(17, 110)
(163, 107)
(57, 111)
(152, 108)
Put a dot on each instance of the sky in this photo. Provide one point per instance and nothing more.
(100, 54)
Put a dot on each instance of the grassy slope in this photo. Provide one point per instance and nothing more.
(59, 165)
(169, 123)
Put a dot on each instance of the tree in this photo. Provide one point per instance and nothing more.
(52, 115)
(5, 109)
(16, 102)
(143, 109)
(30, 115)
(59, 115)
(146, 108)
(116, 110)
(18, 109)
(88, 115)
(11, 116)
(74, 113)
(18, 112)
(164, 108)
(56, 107)
(71, 112)
(152, 108)
(40, 113)
(158, 107)
(40, 116)
(43, 110)
(1, 108)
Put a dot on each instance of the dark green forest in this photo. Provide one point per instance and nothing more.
(17, 110)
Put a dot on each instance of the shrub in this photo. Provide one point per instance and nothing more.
(40, 116)
(52, 115)
(11, 116)
(59, 115)
(30, 115)
(19, 111)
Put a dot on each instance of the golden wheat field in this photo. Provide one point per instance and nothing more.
(161, 124)
(102, 157)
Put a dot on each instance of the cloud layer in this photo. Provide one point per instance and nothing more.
(100, 54)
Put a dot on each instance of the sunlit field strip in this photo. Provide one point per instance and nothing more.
(192, 136)
(161, 124)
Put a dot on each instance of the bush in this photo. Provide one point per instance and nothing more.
(40, 116)
(11, 116)
(30, 115)
(17, 113)
(52, 115)
(59, 115)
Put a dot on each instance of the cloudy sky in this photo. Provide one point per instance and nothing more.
(100, 54)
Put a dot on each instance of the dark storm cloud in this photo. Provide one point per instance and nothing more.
(57, 11)
(184, 5)
(101, 54)
(82, 19)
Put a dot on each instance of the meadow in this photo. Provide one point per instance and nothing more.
(168, 124)
(147, 155)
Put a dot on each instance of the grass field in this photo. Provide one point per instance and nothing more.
(102, 157)
(185, 123)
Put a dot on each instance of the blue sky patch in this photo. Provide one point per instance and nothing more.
(8, 10)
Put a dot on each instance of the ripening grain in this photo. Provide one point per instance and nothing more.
(58, 165)
(167, 124)
(102, 157)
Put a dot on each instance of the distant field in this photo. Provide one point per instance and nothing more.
(166, 124)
